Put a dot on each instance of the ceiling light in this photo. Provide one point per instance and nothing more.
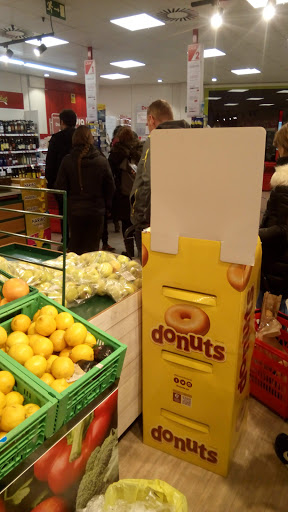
(284, 91)
(247, 71)
(217, 19)
(238, 90)
(213, 52)
(214, 98)
(9, 53)
(159, 80)
(114, 76)
(137, 22)
(48, 41)
(214, 79)
(230, 104)
(4, 58)
(269, 11)
(46, 74)
(254, 99)
(49, 68)
(266, 104)
(41, 49)
(127, 64)
(235, 117)
(257, 3)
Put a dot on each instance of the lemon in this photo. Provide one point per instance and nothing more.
(17, 337)
(2, 401)
(12, 416)
(82, 352)
(20, 323)
(7, 382)
(75, 335)
(3, 336)
(57, 338)
(30, 409)
(50, 360)
(31, 329)
(64, 321)
(3, 434)
(90, 339)
(45, 325)
(37, 314)
(49, 310)
(62, 368)
(13, 398)
(47, 378)
(21, 352)
(66, 352)
(59, 385)
(36, 365)
(43, 347)
(35, 337)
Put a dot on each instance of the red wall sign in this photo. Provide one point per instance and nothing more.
(11, 100)
(58, 97)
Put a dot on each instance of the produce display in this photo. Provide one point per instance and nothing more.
(13, 289)
(100, 273)
(13, 409)
(52, 346)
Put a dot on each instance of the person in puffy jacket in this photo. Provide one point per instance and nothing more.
(86, 176)
(274, 226)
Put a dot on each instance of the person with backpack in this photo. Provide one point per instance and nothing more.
(123, 159)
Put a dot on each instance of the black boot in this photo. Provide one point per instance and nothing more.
(281, 448)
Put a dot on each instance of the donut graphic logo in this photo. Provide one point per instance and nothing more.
(238, 276)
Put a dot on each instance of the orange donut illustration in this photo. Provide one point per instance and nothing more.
(238, 276)
(187, 319)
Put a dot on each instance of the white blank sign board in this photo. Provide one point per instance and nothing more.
(207, 184)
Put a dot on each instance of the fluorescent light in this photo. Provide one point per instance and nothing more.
(213, 52)
(266, 104)
(254, 99)
(214, 98)
(230, 104)
(48, 41)
(114, 76)
(137, 22)
(160, 80)
(269, 12)
(245, 71)
(4, 58)
(216, 20)
(238, 90)
(284, 91)
(127, 64)
(214, 79)
(257, 3)
(49, 68)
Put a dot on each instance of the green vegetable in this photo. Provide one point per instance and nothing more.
(100, 470)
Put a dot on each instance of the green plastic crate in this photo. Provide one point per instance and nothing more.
(32, 432)
(17, 303)
(89, 386)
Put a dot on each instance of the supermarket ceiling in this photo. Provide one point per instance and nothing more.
(245, 38)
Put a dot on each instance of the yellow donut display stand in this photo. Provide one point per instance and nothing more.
(198, 310)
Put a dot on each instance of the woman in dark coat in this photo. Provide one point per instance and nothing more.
(86, 176)
(125, 154)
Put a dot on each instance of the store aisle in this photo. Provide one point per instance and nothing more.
(257, 481)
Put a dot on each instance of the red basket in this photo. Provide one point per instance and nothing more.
(269, 372)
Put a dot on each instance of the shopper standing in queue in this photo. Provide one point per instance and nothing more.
(124, 155)
(159, 116)
(86, 176)
(60, 145)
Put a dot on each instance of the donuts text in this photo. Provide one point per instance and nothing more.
(186, 445)
(246, 340)
(189, 343)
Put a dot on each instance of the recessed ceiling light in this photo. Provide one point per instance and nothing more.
(284, 91)
(43, 67)
(214, 79)
(230, 104)
(266, 104)
(254, 99)
(46, 74)
(238, 90)
(138, 22)
(269, 11)
(214, 98)
(245, 71)
(48, 41)
(114, 76)
(235, 117)
(213, 52)
(160, 80)
(127, 64)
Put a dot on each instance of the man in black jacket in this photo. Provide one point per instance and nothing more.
(60, 145)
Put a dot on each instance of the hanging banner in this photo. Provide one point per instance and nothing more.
(11, 100)
(195, 79)
(91, 91)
